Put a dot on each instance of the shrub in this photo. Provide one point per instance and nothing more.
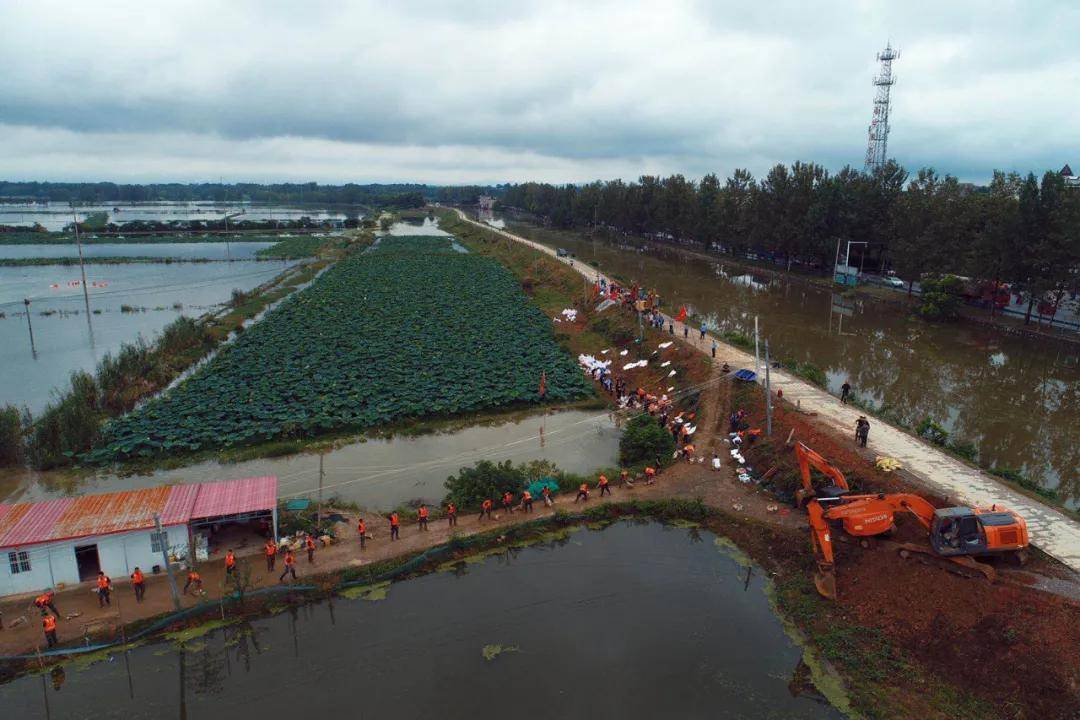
(930, 430)
(486, 479)
(940, 298)
(12, 447)
(808, 371)
(69, 426)
(644, 440)
(966, 450)
(239, 297)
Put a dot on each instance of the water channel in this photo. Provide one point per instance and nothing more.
(635, 621)
(184, 250)
(1016, 400)
(54, 216)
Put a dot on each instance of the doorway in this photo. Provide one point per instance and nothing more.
(86, 559)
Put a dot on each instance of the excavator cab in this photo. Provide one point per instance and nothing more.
(979, 531)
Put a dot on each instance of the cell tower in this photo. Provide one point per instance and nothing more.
(877, 147)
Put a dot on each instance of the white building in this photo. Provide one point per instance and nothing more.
(63, 542)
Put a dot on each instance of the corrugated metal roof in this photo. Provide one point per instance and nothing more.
(90, 515)
(232, 497)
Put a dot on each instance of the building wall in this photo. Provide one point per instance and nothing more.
(54, 563)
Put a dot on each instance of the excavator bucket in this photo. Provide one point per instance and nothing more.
(825, 582)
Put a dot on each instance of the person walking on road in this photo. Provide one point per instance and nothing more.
(714, 349)
(508, 502)
(602, 485)
(271, 555)
(45, 600)
(650, 475)
(290, 565)
(230, 563)
(526, 501)
(422, 515)
(48, 623)
(361, 530)
(845, 390)
(104, 587)
(138, 584)
(193, 578)
(582, 493)
(546, 492)
(395, 526)
(702, 332)
(862, 430)
(451, 514)
(309, 545)
(485, 509)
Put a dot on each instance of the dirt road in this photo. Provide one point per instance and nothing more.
(1051, 531)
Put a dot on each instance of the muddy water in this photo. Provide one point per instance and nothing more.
(377, 474)
(1016, 400)
(636, 621)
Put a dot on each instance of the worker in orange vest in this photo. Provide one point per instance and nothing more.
(422, 514)
(104, 587)
(193, 578)
(361, 528)
(271, 555)
(508, 501)
(395, 529)
(138, 584)
(582, 493)
(650, 475)
(451, 514)
(230, 563)
(48, 622)
(290, 565)
(546, 492)
(602, 485)
(309, 545)
(526, 501)
(485, 508)
(45, 600)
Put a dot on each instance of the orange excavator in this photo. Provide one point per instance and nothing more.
(955, 533)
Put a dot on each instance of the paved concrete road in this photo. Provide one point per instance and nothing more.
(1051, 531)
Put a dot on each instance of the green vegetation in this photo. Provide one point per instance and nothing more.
(941, 298)
(411, 329)
(930, 430)
(644, 439)
(807, 371)
(12, 448)
(293, 247)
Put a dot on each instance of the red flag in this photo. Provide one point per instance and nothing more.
(681, 317)
(543, 384)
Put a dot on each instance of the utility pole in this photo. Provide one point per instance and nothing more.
(165, 559)
(82, 267)
(768, 393)
(318, 518)
(757, 352)
(33, 350)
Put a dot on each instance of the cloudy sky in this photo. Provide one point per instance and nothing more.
(460, 92)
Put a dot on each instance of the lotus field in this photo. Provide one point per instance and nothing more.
(409, 329)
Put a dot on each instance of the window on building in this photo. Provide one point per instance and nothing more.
(159, 541)
(19, 561)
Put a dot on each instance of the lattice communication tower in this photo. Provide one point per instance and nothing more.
(877, 147)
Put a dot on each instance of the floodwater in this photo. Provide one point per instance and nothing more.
(64, 341)
(635, 621)
(426, 226)
(378, 474)
(54, 216)
(1016, 400)
(187, 251)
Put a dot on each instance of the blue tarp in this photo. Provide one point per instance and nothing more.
(537, 487)
(745, 375)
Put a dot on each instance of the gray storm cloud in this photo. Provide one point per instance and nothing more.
(487, 92)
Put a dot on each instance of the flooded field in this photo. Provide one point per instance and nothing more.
(133, 299)
(54, 216)
(377, 474)
(188, 251)
(635, 621)
(1016, 401)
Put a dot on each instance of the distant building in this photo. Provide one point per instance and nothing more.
(1071, 180)
(487, 203)
(67, 541)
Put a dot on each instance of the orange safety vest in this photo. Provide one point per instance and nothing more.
(230, 559)
(423, 513)
(451, 509)
(689, 449)
(584, 488)
(650, 471)
(103, 582)
(603, 480)
(49, 622)
(546, 490)
(393, 520)
(271, 549)
(624, 474)
(507, 498)
(137, 577)
(526, 495)
(290, 559)
(487, 504)
(361, 527)
(42, 600)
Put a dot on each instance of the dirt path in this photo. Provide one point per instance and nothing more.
(1051, 531)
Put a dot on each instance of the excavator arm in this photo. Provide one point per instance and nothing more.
(808, 458)
(821, 542)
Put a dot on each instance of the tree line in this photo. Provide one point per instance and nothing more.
(1020, 231)
(397, 195)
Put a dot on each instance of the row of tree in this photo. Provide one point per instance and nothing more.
(398, 195)
(1017, 230)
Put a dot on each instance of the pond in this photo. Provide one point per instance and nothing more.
(54, 216)
(188, 251)
(635, 621)
(1014, 400)
(377, 474)
(133, 299)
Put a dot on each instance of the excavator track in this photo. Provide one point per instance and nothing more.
(963, 565)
